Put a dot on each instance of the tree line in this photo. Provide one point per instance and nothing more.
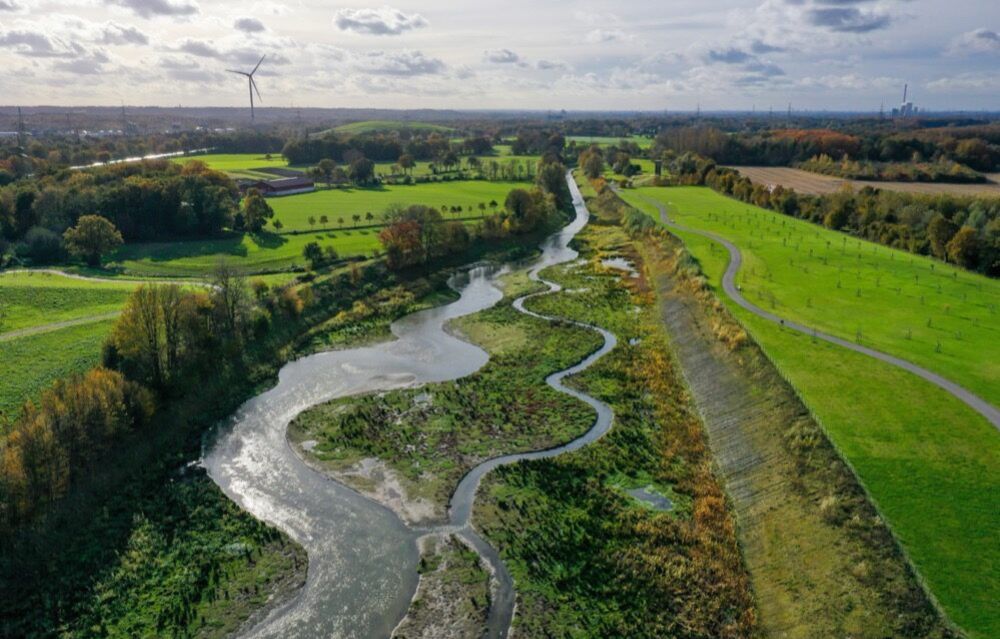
(960, 229)
(977, 148)
(416, 235)
(144, 201)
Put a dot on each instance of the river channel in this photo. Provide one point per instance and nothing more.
(362, 557)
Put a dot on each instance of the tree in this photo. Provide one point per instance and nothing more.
(277, 225)
(230, 297)
(357, 219)
(314, 254)
(340, 222)
(939, 233)
(369, 217)
(312, 221)
(256, 211)
(92, 237)
(963, 248)
(592, 163)
(362, 171)
(324, 220)
(326, 168)
(406, 161)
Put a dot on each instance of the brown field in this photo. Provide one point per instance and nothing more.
(815, 184)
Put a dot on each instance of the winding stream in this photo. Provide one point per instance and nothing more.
(362, 557)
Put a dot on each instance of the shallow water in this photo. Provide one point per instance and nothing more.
(362, 558)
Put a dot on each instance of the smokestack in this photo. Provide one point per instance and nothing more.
(905, 87)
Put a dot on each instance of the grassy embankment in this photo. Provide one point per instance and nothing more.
(928, 461)
(30, 362)
(431, 436)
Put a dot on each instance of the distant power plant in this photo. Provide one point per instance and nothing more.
(906, 109)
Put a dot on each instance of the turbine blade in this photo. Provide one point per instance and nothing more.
(258, 64)
(239, 72)
(254, 85)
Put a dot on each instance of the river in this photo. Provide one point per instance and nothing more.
(362, 557)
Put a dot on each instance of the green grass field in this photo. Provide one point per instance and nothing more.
(30, 364)
(929, 461)
(239, 165)
(644, 141)
(265, 253)
(35, 299)
(294, 210)
(369, 126)
(933, 314)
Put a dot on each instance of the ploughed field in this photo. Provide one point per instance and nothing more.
(816, 184)
(928, 460)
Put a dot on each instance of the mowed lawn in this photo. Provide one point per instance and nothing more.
(929, 461)
(236, 162)
(30, 364)
(933, 314)
(644, 141)
(36, 299)
(294, 211)
(263, 253)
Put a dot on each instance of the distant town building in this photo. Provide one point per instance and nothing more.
(906, 108)
(283, 186)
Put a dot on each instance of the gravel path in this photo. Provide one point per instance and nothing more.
(976, 403)
(55, 326)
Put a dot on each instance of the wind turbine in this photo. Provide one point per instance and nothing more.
(251, 83)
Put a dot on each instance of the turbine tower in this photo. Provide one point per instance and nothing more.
(252, 85)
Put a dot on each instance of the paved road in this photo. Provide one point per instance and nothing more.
(976, 403)
(55, 326)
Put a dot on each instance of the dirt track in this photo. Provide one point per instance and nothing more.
(816, 184)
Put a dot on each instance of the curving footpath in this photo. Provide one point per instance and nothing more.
(460, 511)
(55, 326)
(973, 401)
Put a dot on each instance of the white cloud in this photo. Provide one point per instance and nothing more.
(383, 21)
(400, 63)
(596, 36)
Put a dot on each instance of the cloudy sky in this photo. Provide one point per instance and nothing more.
(545, 54)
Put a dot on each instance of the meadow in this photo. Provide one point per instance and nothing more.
(927, 460)
(339, 204)
(817, 184)
(239, 164)
(31, 363)
(644, 141)
(941, 317)
(255, 254)
(370, 126)
(38, 298)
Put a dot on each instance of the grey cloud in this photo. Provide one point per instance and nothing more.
(35, 44)
(977, 41)
(200, 49)
(848, 19)
(401, 63)
(249, 25)
(502, 56)
(117, 34)
(764, 69)
(549, 65)
(759, 46)
(732, 55)
(383, 21)
(153, 8)
(83, 66)
(8, 5)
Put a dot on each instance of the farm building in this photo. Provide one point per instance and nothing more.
(283, 186)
